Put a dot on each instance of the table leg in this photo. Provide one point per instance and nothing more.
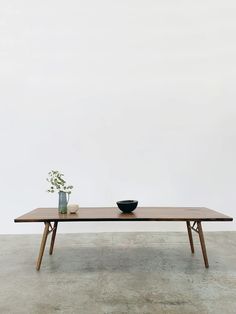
(202, 241)
(190, 236)
(54, 232)
(42, 246)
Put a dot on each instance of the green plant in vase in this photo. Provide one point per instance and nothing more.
(58, 184)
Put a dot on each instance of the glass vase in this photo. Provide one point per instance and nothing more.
(63, 201)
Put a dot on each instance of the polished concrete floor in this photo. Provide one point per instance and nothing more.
(118, 273)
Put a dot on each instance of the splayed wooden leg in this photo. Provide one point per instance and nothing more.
(42, 246)
(54, 232)
(190, 236)
(202, 241)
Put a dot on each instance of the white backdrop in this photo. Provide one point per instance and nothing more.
(130, 99)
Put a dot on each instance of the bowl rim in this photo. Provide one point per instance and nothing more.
(127, 202)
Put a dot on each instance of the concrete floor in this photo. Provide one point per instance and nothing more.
(118, 273)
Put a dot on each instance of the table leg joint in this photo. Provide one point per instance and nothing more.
(51, 228)
(194, 227)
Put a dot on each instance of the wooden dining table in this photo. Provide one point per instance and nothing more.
(192, 216)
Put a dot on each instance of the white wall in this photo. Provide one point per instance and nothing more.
(130, 99)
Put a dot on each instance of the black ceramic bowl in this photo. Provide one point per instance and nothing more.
(127, 206)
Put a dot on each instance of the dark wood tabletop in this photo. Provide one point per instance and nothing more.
(114, 214)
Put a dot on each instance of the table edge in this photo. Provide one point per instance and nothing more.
(121, 219)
